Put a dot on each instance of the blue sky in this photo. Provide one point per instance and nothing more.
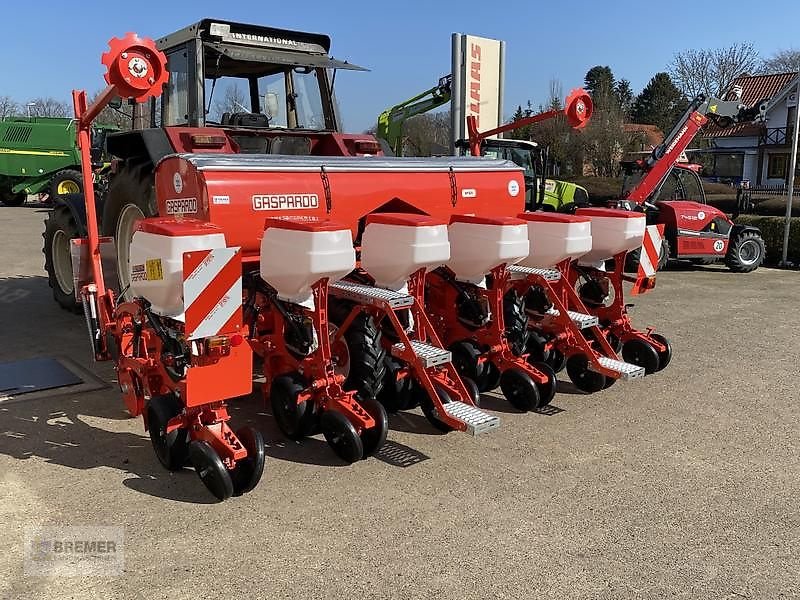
(405, 44)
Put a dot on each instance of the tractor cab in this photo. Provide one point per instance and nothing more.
(554, 195)
(681, 183)
(252, 89)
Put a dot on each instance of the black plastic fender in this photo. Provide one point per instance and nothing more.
(736, 229)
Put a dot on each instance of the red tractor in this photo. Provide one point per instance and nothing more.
(231, 88)
(672, 195)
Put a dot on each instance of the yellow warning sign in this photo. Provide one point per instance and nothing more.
(154, 270)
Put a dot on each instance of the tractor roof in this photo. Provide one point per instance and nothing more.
(244, 43)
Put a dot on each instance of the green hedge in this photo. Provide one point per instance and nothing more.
(772, 230)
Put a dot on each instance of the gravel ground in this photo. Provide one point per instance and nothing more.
(681, 485)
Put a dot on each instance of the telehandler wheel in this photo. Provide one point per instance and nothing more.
(520, 390)
(66, 182)
(746, 252)
(247, 472)
(427, 407)
(131, 197)
(640, 353)
(341, 436)
(516, 321)
(295, 420)
(472, 390)
(396, 394)
(367, 356)
(665, 356)
(580, 375)
(171, 448)
(373, 439)
(547, 391)
(211, 470)
(59, 229)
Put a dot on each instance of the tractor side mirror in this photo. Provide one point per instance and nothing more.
(115, 103)
(271, 105)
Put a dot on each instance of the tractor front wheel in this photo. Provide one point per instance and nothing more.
(59, 229)
(746, 252)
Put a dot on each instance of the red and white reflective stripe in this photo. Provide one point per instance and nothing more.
(651, 251)
(212, 292)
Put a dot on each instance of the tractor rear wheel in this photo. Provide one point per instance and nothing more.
(130, 199)
(516, 322)
(367, 356)
(59, 229)
(746, 252)
(68, 181)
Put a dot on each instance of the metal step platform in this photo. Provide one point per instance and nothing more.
(431, 356)
(580, 319)
(546, 274)
(367, 294)
(477, 421)
(626, 370)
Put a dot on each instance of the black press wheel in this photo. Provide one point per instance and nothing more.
(746, 252)
(642, 354)
(341, 436)
(472, 390)
(465, 360)
(580, 375)
(373, 439)
(520, 390)
(59, 229)
(537, 353)
(428, 409)
(248, 471)
(665, 356)
(396, 392)
(211, 470)
(547, 391)
(295, 420)
(171, 448)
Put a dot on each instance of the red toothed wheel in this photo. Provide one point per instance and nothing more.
(578, 108)
(135, 67)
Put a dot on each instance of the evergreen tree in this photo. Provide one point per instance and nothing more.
(599, 82)
(661, 103)
(624, 94)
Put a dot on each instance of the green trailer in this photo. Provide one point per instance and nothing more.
(39, 155)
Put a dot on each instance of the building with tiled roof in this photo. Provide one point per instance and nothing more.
(758, 153)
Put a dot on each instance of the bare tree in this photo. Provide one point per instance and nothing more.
(48, 107)
(711, 71)
(428, 134)
(783, 61)
(8, 107)
(234, 100)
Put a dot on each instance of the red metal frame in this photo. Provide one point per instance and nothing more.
(444, 375)
(578, 109)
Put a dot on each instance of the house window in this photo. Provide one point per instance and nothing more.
(777, 166)
(728, 165)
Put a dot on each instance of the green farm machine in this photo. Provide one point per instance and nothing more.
(39, 155)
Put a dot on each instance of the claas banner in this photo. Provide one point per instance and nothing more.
(478, 71)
